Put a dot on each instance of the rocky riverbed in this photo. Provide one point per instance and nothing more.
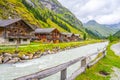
(7, 58)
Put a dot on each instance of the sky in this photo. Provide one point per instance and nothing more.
(103, 11)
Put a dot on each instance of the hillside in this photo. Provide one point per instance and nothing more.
(117, 34)
(42, 13)
(99, 29)
(93, 34)
(15, 9)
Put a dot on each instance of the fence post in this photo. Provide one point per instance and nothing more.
(83, 62)
(104, 53)
(64, 74)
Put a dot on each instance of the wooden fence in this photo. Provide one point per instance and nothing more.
(63, 68)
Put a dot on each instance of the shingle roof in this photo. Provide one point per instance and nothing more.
(4, 23)
(44, 30)
(68, 34)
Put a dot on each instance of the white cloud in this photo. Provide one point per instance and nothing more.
(103, 11)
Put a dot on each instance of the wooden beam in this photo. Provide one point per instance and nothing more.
(83, 62)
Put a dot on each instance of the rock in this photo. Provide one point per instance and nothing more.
(6, 59)
(1, 58)
(7, 54)
(52, 52)
(38, 52)
(15, 55)
(49, 52)
(14, 60)
(24, 57)
(30, 56)
(44, 53)
(36, 55)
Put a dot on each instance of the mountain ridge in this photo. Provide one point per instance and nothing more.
(99, 29)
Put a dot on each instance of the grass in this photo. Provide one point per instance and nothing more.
(106, 64)
(36, 46)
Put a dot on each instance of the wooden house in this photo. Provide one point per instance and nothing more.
(77, 37)
(67, 37)
(48, 35)
(15, 31)
(64, 38)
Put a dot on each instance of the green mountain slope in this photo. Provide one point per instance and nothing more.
(99, 29)
(15, 9)
(43, 13)
(117, 34)
(93, 34)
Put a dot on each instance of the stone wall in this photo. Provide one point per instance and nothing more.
(25, 41)
(14, 42)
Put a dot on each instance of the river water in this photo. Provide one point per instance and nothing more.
(12, 71)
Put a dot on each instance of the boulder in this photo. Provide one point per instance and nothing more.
(24, 57)
(14, 60)
(36, 56)
(15, 55)
(30, 56)
(6, 59)
(52, 52)
(49, 52)
(38, 52)
(7, 54)
(1, 58)
(45, 53)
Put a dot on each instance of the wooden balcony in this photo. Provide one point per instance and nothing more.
(18, 36)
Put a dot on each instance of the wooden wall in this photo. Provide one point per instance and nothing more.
(1, 32)
(18, 28)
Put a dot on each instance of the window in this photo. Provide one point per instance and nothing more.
(25, 40)
(21, 24)
(11, 40)
(16, 23)
(15, 31)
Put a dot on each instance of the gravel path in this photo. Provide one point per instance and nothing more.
(116, 48)
(116, 74)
